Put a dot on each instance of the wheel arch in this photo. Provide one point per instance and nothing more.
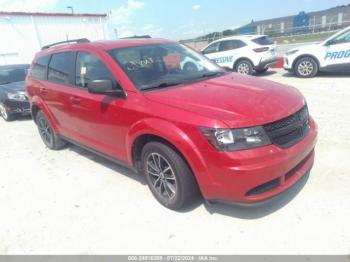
(165, 132)
(303, 56)
(34, 110)
(142, 140)
(37, 104)
(241, 59)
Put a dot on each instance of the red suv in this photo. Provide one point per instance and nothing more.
(174, 116)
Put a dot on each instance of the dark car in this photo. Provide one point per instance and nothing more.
(13, 96)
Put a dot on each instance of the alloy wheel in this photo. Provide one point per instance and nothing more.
(305, 68)
(243, 69)
(45, 131)
(162, 176)
(3, 112)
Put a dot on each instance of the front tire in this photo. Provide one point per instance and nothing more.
(306, 67)
(168, 176)
(244, 67)
(5, 114)
(48, 135)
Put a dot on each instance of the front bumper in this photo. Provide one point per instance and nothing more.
(256, 175)
(287, 63)
(267, 62)
(17, 107)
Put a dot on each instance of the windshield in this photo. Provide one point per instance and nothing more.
(162, 65)
(12, 75)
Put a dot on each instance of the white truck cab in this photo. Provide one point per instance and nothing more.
(333, 54)
(243, 53)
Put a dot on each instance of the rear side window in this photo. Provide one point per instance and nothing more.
(231, 45)
(59, 67)
(263, 41)
(88, 68)
(39, 68)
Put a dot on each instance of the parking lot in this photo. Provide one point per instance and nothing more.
(72, 201)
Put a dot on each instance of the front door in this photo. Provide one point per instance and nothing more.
(99, 120)
(337, 52)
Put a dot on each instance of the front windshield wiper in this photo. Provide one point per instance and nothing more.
(161, 85)
(5, 83)
(210, 74)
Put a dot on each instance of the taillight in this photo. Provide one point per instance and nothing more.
(261, 49)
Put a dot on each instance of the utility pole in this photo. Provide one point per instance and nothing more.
(71, 9)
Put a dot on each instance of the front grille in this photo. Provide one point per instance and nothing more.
(290, 130)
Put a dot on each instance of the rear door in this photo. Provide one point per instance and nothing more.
(58, 90)
(212, 51)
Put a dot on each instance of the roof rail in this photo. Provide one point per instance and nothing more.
(80, 40)
(136, 36)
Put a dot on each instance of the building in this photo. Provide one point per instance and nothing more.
(313, 22)
(23, 34)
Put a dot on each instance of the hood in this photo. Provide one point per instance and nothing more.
(14, 87)
(306, 48)
(236, 100)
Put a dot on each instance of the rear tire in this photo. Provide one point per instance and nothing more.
(168, 176)
(305, 67)
(244, 67)
(5, 114)
(48, 135)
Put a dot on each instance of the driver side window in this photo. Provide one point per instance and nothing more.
(88, 68)
(213, 48)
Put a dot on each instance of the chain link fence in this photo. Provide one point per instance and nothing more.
(315, 32)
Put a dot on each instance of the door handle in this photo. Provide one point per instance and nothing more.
(75, 100)
(43, 91)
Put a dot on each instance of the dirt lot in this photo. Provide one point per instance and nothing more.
(74, 202)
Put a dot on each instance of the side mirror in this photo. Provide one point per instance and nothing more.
(105, 87)
(330, 42)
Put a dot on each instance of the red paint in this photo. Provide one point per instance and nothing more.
(279, 64)
(111, 125)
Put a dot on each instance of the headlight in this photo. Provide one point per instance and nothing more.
(236, 139)
(17, 97)
(292, 52)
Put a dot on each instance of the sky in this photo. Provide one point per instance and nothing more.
(175, 19)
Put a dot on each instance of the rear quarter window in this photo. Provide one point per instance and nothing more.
(39, 68)
(263, 41)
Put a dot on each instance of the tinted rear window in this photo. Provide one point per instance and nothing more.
(39, 68)
(263, 41)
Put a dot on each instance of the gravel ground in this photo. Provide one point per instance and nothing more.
(74, 202)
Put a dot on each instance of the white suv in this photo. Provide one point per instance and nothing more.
(333, 54)
(243, 54)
